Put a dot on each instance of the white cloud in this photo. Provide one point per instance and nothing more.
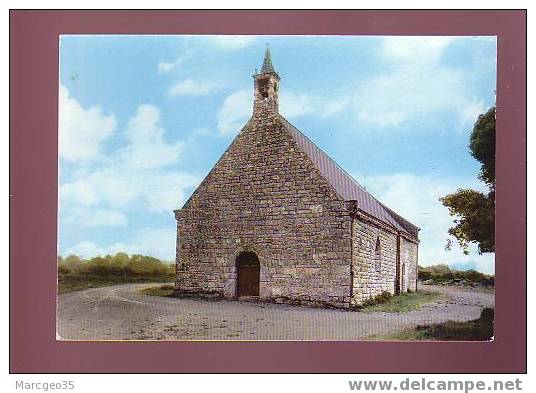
(88, 249)
(298, 104)
(238, 107)
(94, 217)
(416, 85)
(117, 186)
(147, 147)
(231, 42)
(104, 217)
(85, 249)
(120, 186)
(294, 105)
(168, 191)
(157, 191)
(334, 106)
(157, 242)
(81, 131)
(415, 49)
(189, 87)
(469, 113)
(79, 192)
(165, 67)
(417, 199)
(235, 111)
(137, 175)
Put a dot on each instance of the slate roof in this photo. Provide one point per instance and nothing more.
(346, 186)
(267, 66)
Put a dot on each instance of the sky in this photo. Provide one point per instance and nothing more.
(143, 119)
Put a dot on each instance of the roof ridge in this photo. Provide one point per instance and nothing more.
(345, 194)
(412, 230)
(326, 154)
(315, 145)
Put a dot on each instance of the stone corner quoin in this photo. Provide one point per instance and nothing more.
(277, 220)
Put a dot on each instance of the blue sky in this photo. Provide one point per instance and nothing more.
(144, 118)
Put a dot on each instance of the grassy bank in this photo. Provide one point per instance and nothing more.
(400, 303)
(75, 273)
(480, 329)
(384, 303)
(162, 291)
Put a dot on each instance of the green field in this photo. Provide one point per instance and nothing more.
(400, 303)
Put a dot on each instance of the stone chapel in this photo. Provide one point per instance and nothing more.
(278, 220)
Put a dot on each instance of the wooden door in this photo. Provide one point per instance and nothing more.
(248, 275)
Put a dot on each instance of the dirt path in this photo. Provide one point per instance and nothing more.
(121, 312)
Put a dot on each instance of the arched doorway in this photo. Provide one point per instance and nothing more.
(247, 275)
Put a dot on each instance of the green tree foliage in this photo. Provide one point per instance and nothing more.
(119, 265)
(475, 222)
(72, 263)
(442, 273)
(474, 211)
(482, 146)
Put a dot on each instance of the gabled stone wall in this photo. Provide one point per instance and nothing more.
(408, 257)
(373, 272)
(264, 195)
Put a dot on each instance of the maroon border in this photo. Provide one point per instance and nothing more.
(33, 196)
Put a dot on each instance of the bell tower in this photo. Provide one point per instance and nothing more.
(266, 84)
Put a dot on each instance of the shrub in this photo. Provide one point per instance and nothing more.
(442, 273)
(383, 297)
(63, 270)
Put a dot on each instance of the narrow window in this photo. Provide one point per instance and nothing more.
(263, 88)
(378, 255)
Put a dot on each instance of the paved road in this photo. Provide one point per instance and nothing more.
(121, 312)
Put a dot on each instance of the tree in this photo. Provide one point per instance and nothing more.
(482, 146)
(73, 263)
(474, 211)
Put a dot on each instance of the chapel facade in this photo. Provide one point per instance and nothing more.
(278, 220)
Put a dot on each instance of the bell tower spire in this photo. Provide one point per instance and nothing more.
(266, 84)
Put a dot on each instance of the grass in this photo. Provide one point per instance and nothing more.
(78, 282)
(162, 291)
(384, 302)
(480, 329)
(400, 303)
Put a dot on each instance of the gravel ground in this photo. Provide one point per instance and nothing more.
(121, 312)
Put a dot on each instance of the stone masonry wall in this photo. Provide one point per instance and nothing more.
(408, 257)
(368, 280)
(264, 195)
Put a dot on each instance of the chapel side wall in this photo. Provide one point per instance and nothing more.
(265, 196)
(369, 282)
(408, 256)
